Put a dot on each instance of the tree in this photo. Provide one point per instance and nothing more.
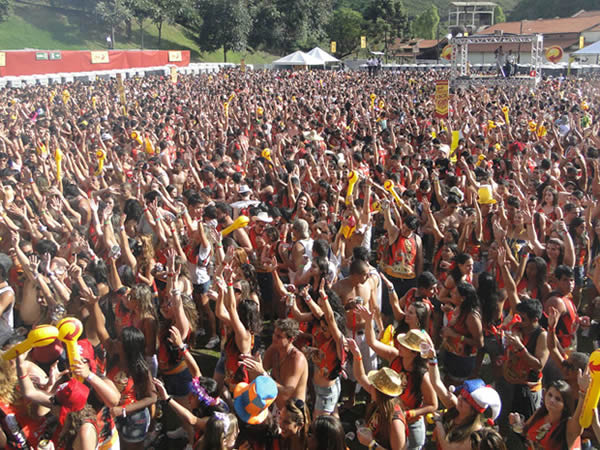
(388, 20)
(499, 16)
(225, 23)
(168, 11)
(345, 28)
(140, 10)
(4, 9)
(425, 26)
(113, 13)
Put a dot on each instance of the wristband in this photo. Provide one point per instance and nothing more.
(432, 361)
(42, 229)
(358, 357)
(372, 444)
(22, 377)
(124, 412)
(168, 400)
(229, 285)
(183, 348)
(89, 377)
(31, 181)
(122, 228)
(157, 219)
(324, 297)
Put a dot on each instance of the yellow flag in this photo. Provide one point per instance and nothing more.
(363, 42)
(58, 159)
(333, 46)
(454, 146)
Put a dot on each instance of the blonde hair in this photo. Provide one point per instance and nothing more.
(8, 382)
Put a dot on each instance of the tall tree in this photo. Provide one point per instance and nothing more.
(425, 26)
(345, 28)
(5, 6)
(499, 16)
(224, 24)
(113, 13)
(168, 11)
(140, 10)
(388, 20)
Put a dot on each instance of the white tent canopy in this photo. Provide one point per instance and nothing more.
(298, 59)
(322, 55)
(593, 49)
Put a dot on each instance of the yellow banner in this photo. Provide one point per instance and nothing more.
(100, 57)
(581, 42)
(174, 75)
(363, 42)
(333, 46)
(175, 56)
(441, 98)
(2, 59)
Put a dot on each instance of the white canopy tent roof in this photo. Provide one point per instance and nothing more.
(322, 55)
(298, 59)
(593, 49)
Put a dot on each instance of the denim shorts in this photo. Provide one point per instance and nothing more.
(134, 427)
(178, 384)
(327, 397)
(416, 435)
(200, 289)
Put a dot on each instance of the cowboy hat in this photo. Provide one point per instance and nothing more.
(413, 339)
(263, 217)
(387, 381)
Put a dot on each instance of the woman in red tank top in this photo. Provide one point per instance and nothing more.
(554, 426)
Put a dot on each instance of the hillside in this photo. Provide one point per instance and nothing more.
(35, 24)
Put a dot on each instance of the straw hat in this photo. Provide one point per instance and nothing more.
(413, 339)
(386, 381)
(252, 401)
(485, 195)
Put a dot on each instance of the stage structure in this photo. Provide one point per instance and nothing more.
(460, 73)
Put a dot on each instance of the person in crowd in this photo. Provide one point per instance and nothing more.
(282, 221)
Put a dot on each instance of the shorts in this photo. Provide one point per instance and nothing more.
(134, 427)
(416, 435)
(220, 367)
(201, 289)
(178, 384)
(459, 367)
(326, 398)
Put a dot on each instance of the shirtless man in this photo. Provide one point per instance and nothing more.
(288, 365)
(359, 288)
(449, 217)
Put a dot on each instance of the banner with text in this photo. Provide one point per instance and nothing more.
(441, 98)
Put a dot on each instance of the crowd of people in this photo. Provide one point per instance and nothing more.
(325, 234)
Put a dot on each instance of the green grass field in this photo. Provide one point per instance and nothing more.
(36, 25)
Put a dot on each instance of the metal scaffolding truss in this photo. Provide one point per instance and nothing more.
(460, 71)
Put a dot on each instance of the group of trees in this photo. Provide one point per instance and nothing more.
(279, 26)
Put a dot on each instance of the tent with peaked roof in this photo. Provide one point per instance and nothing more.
(298, 58)
(323, 55)
(593, 49)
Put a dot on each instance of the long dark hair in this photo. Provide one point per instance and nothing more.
(470, 301)
(455, 272)
(263, 433)
(328, 432)
(134, 344)
(541, 272)
(487, 291)
(249, 315)
(559, 435)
